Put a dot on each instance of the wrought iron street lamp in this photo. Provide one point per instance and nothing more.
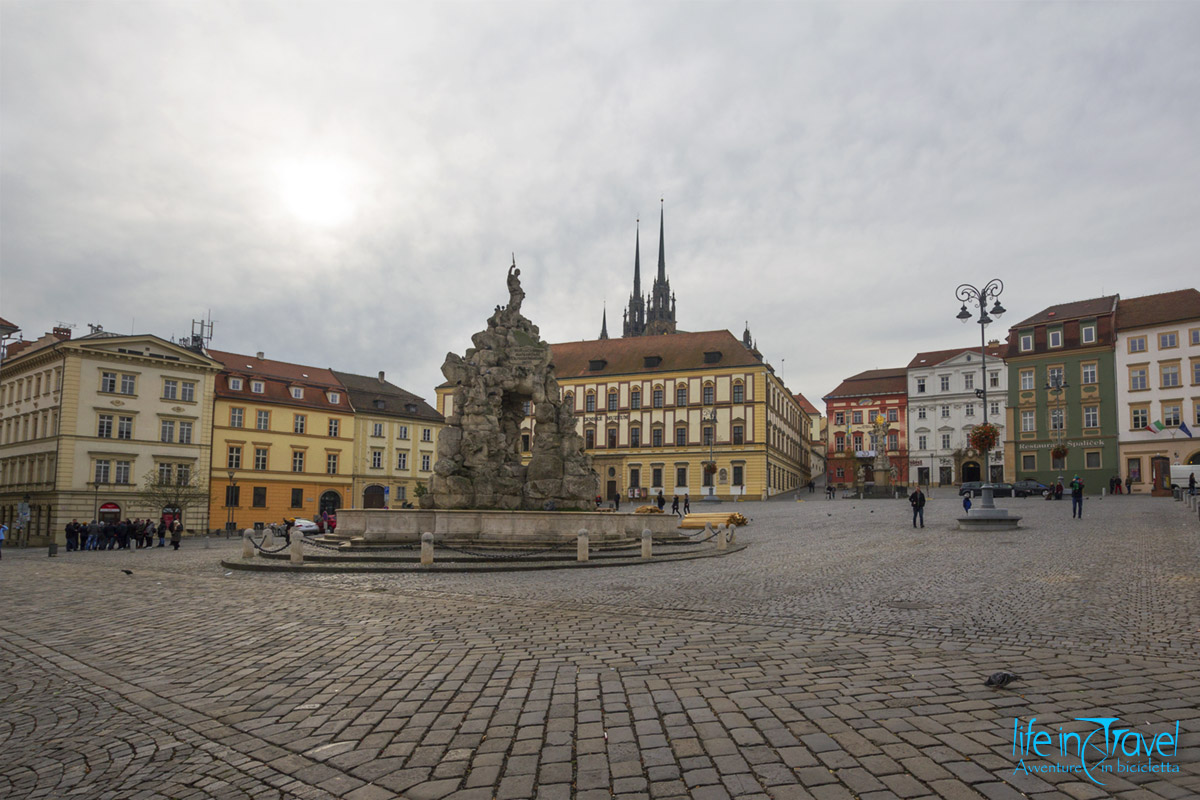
(966, 293)
(711, 418)
(229, 501)
(1056, 384)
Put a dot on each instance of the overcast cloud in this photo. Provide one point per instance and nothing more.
(342, 183)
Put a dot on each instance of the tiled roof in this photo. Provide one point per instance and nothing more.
(806, 406)
(1079, 308)
(676, 352)
(278, 377)
(935, 357)
(5, 325)
(1158, 309)
(873, 382)
(377, 396)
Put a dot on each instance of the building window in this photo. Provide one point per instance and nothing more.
(1029, 462)
(681, 394)
(297, 498)
(1091, 416)
(298, 423)
(402, 461)
(681, 436)
(402, 433)
(104, 426)
(995, 409)
(708, 435)
(124, 427)
(893, 440)
(1139, 418)
(635, 436)
(709, 394)
(335, 426)
(1091, 459)
(331, 464)
(168, 430)
(376, 459)
(1171, 415)
(235, 384)
(183, 475)
(297, 393)
(856, 417)
(921, 412)
(525, 442)
(839, 418)
(893, 415)
(635, 398)
(1028, 421)
(1166, 341)
(185, 433)
(589, 402)
(187, 392)
(108, 382)
(262, 420)
(426, 434)
(1170, 375)
(335, 398)
(1195, 372)
(945, 441)
(1134, 467)
(1026, 380)
(170, 390)
(920, 386)
(657, 398)
(858, 442)
(164, 474)
(1194, 335)
(739, 392)
(994, 380)
(257, 387)
(635, 477)
(969, 380)
(681, 476)
(1137, 344)
(297, 461)
(259, 499)
(425, 463)
(401, 493)
(1054, 376)
(233, 496)
(128, 383)
(738, 434)
(234, 459)
(1089, 373)
(922, 441)
(656, 478)
(1087, 334)
(612, 400)
(612, 438)
(589, 439)
(970, 410)
(1137, 379)
(1026, 342)
(944, 382)
(235, 417)
(945, 412)
(260, 458)
(101, 474)
(121, 473)
(1054, 338)
(656, 437)
(1056, 419)
(377, 429)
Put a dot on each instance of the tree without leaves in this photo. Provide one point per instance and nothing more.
(159, 494)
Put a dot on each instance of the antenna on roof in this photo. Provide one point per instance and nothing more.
(202, 331)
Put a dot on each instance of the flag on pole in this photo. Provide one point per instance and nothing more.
(1184, 428)
(1155, 427)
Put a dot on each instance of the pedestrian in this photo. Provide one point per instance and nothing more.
(3, 536)
(72, 535)
(966, 503)
(176, 534)
(617, 501)
(93, 535)
(1077, 498)
(662, 501)
(917, 501)
(162, 532)
(1127, 484)
(687, 503)
(812, 486)
(1192, 483)
(675, 505)
(1058, 489)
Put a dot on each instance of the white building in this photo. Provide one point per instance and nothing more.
(1158, 381)
(944, 404)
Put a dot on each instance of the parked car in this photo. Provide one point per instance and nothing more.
(305, 526)
(975, 489)
(1028, 488)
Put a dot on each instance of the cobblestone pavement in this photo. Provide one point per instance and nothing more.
(841, 655)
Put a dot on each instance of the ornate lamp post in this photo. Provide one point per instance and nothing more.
(711, 418)
(1057, 385)
(966, 293)
(229, 501)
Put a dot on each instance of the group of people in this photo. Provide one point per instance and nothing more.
(122, 535)
(687, 503)
(1115, 486)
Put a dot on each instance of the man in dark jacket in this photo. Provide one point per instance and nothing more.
(1077, 498)
(72, 535)
(917, 501)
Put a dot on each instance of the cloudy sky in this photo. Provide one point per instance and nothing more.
(342, 184)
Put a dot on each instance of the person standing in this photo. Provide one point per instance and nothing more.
(3, 536)
(1192, 483)
(72, 535)
(967, 503)
(162, 532)
(176, 534)
(1128, 482)
(1077, 498)
(917, 501)
(93, 535)
(687, 503)
(617, 501)
(662, 501)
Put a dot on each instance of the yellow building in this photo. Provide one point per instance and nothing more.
(84, 421)
(395, 442)
(283, 442)
(655, 411)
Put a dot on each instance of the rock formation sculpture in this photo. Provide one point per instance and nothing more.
(479, 452)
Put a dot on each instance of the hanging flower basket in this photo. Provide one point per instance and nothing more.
(710, 467)
(984, 437)
(1058, 451)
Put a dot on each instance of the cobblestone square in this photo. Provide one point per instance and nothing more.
(842, 654)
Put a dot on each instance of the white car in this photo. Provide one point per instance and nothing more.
(306, 527)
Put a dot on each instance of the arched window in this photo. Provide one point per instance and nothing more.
(635, 398)
(681, 436)
(710, 394)
(681, 395)
(658, 396)
(612, 399)
(635, 435)
(739, 392)
(612, 437)
(589, 438)
(589, 402)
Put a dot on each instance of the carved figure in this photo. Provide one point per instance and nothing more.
(515, 293)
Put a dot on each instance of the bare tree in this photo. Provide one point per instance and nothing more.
(161, 491)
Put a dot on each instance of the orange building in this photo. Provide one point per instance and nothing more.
(852, 409)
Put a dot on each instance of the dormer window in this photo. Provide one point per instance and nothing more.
(1054, 338)
(297, 392)
(410, 408)
(651, 361)
(1026, 342)
(335, 397)
(258, 387)
(235, 384)
(597, 364)
(380, 404)
(712, 357)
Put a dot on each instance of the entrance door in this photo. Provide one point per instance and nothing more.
(330, 502)
(970, 471)
(110, 512)
(373, 497)
(612, 490)
(1160, 476)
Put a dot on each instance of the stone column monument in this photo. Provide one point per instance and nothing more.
(882, 467)
(479, 462)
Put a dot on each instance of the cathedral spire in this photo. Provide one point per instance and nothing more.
(604, 323)
(637, 260)
(662, 256)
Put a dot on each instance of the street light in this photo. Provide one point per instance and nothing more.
(1056, 384)
(966, 293)
(229, 502)
(711, 417)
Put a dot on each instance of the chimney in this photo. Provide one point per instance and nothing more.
(62, 333)
(381, 376)
(994, 343)
(259, 355)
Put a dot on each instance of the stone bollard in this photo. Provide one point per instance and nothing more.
(732, 532)
(268, 539)
(426, 549)
(647, 543)
(581, 545)
(247, 545)
(297, 549)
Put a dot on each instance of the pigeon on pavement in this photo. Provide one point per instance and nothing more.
(1001, 679)
(127, 571)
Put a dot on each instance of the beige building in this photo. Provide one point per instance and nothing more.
(84, 421)
(395, 442)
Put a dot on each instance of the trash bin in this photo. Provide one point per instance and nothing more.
(53, 550)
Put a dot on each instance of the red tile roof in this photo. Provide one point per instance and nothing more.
(278, 377)
(677, 351)
(1158, 309)
(873, 382)
(1074, 310)
(807, 407)
(935, 357)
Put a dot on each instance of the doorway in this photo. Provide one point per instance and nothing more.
(373, 497)
(970, 471)
(330, 502)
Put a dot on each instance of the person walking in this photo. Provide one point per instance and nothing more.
(687, 503)
(1077, 498)
(1192, 484)
(617, 501)
(966, 503)
(176, 534)
(917, 501)
(675, 506)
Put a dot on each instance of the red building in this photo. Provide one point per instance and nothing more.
(852, 409)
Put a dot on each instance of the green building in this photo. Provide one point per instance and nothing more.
(1062, 394)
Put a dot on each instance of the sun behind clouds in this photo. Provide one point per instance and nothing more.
(318, 191)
